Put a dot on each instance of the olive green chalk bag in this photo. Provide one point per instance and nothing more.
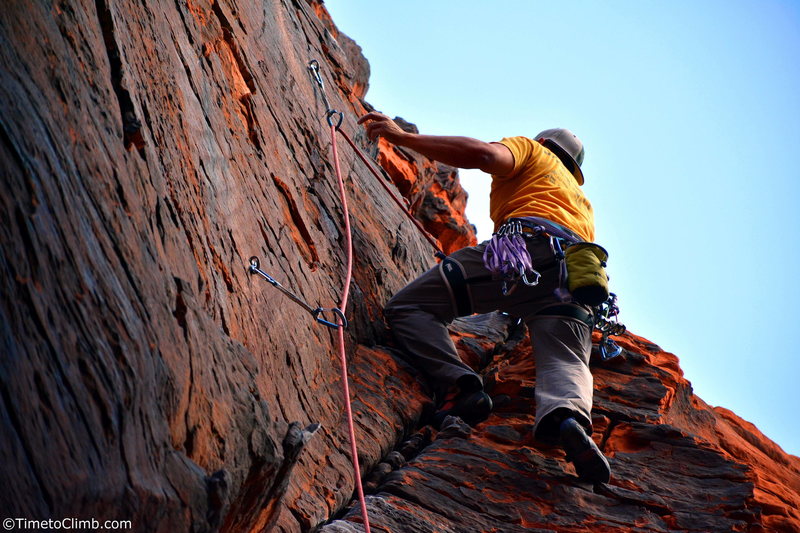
(586, 273)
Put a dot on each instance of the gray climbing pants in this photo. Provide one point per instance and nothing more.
(419, 314)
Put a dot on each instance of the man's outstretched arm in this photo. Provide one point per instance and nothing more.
(461, 152)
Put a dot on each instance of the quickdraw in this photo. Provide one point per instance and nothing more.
(506, 256)
(606, 322)
(317, 312)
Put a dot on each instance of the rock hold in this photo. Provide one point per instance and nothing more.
(218, 497)
(453, 428)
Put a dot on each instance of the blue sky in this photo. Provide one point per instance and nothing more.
(690, 115)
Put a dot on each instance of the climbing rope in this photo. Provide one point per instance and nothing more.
(313, 66)
(342, 352)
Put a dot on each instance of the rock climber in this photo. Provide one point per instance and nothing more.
(536, 189)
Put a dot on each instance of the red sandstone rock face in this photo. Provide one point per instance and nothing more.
(678, 464)
(148, 149)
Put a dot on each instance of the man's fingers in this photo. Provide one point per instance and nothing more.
(372, 115)
(373, 130)
(377, 124)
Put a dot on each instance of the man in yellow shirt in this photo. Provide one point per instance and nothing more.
(536, 193)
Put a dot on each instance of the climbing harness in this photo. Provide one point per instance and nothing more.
(313, 67)
(317, 312)
(606, 322)
(455, 278)
(581, 267)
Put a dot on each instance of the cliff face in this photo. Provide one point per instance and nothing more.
(148, 149)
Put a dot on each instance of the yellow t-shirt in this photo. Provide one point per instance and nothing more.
(541, 186)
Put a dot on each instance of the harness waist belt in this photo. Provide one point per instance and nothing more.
(553, 228)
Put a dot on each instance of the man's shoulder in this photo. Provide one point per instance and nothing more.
(517, 139)
(521, 145)
(526, 151)
(520, 152)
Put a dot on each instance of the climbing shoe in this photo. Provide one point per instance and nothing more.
(471, 406)
(590, 463)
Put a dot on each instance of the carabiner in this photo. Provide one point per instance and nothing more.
(329, 117)
(313, 66)
(333, 325)
(555, 246)
(525, 278)
(609, 349)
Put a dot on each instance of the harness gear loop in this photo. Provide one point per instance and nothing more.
(317, 313)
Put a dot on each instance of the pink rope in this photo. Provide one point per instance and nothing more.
(394, 197)
(342, 352)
